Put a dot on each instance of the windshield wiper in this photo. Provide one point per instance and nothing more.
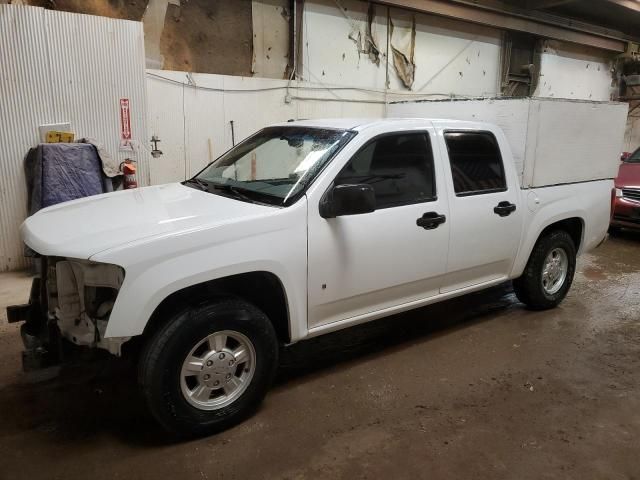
(234, 190)
(201, 183)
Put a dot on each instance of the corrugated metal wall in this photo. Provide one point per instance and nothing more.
(61, 67)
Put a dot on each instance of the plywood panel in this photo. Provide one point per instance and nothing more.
(577, 141)
(553, 141)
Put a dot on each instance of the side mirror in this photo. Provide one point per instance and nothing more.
(348, 200)
(624, 156)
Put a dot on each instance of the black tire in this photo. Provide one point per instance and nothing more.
(528, 287)
(163, 355)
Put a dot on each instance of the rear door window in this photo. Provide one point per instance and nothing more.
(476, 163)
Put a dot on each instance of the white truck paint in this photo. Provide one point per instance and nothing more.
(335, 272)
(302, 229)
(553, 140)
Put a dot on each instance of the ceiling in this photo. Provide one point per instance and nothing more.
(620, 15)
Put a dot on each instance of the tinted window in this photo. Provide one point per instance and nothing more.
(476, 163)
(399, 167)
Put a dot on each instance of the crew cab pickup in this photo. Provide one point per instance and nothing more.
(304, 228)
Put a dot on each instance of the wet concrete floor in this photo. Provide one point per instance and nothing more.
(477, 387)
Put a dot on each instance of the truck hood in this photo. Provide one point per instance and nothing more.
(81, 228)
(628, 175)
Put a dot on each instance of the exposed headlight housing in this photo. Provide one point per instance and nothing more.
(81, 295)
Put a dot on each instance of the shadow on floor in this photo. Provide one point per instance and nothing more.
(101, 397)
(376, 338)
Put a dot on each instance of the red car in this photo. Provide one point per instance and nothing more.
(626, 207)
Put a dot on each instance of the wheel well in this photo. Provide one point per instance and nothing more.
(262, 289)
(573, 226)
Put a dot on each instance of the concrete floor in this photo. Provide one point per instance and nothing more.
(474, 388)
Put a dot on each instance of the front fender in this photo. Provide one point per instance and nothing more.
(139, 298)
(156, 269)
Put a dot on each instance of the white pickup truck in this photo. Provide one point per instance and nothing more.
(304, 228)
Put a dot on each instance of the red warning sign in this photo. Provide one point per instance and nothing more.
(125, 119)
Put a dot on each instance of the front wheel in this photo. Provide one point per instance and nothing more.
(209, 367)
(549, 272)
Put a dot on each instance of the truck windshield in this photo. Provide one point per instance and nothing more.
(273, 166)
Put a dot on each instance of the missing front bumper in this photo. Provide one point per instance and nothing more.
(40, 337)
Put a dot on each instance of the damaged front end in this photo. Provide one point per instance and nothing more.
(71, 300)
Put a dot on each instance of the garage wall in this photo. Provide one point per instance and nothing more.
(450, 57)
(62, 67)
(632, 134)
(270, 38)
(192, 113)
(345, 73)
(574, 71)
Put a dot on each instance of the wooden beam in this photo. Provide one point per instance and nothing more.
(542, 4)
(630, 4)
(511, 20)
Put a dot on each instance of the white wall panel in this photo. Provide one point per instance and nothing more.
(451, 57)
(270, 37)
(329, 55)
(573, 71)
(165, 105)
(193, 119)
(62, 67)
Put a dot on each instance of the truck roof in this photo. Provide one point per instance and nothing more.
(360, 124)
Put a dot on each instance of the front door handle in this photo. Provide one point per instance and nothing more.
(504, 209)
(431, 220)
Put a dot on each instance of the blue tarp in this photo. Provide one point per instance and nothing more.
(58, 172)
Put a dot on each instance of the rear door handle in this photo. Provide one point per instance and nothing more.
(504, 209)
(431, 220)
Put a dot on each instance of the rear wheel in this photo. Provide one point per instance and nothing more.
(549, 272)
(209, 367)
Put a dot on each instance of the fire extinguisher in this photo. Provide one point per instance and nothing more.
(129, 171)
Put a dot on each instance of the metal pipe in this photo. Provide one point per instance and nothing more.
(233, 135)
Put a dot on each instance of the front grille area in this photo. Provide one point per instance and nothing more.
(631, 193)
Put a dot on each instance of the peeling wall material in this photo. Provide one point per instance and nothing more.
(365, 41)
(370, 42)
(449, 56)
(404, 61)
